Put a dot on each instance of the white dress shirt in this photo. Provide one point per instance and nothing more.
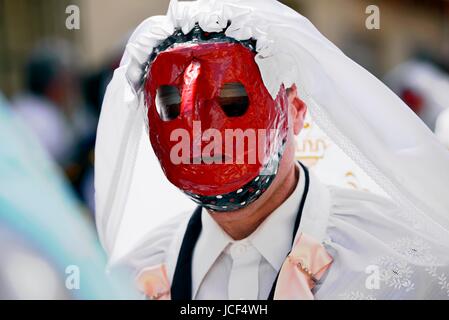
(378, 254)
(245, 269)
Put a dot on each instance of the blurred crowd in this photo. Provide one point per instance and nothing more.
(61, 106)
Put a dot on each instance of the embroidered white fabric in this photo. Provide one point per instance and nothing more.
(359, 113)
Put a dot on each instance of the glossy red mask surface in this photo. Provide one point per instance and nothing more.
(200, 75)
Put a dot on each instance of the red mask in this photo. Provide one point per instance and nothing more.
(193, 87)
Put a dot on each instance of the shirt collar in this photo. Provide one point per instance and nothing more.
(272, 238)
(211, 243)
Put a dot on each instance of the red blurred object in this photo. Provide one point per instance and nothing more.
(414, 100)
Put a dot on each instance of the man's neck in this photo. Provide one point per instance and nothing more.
(249, 220)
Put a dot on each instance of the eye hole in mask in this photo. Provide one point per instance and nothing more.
(168, 102)
(233, 99)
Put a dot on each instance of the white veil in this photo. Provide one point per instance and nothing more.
(359, 113)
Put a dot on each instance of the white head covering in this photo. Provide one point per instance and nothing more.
(358, 112)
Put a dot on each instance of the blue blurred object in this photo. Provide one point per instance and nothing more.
(45, 239)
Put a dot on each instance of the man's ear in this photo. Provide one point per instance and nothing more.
(297, 109)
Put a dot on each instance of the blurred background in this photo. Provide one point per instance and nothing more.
(52, 82)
